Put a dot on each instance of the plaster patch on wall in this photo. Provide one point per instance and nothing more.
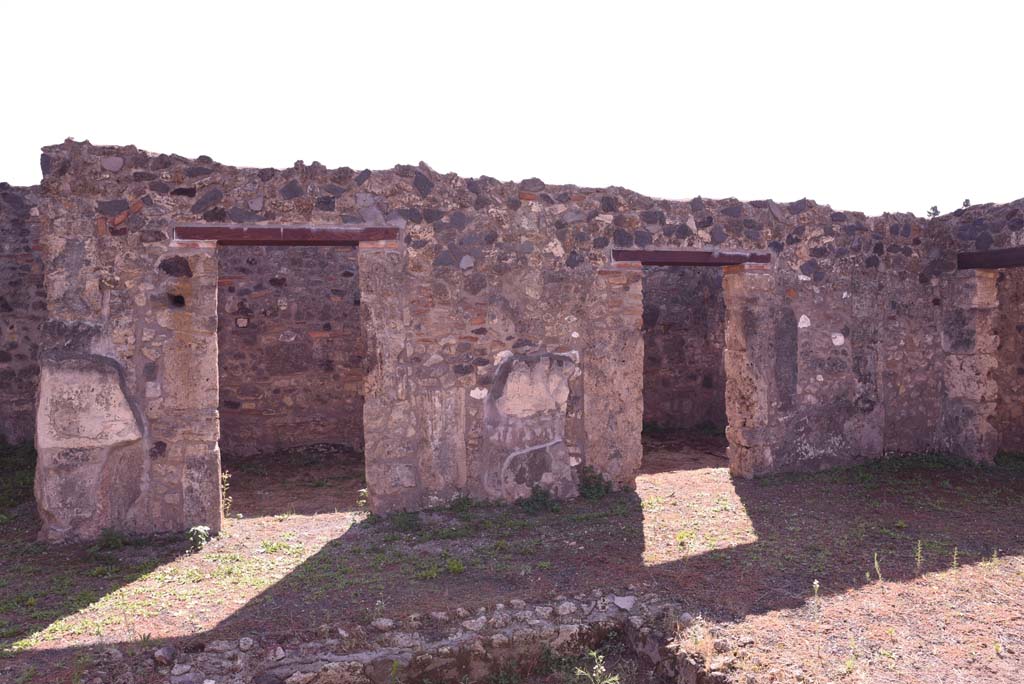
(535, 386)
(82, 405)
(525, 422)
(546, 466)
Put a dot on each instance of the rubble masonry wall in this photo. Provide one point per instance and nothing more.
(504, 345)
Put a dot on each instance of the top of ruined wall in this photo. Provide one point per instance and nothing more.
(433, 209)
(812, 242)
(202, 189)
(982, 227)
(474, 234)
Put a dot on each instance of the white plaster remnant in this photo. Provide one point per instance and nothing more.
(803, 278)
(533, 388)
(804, 321)
(846, 295)
(501, 356)
(478, 392)
(838, 339)
(575, 335)
(82, 406)
(819, 377)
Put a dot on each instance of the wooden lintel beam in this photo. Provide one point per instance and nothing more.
(282, 234)
(690, 257)
(994, 258)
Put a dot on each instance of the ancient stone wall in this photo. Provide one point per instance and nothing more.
(684, 345)
(127, 424)
(291, 348)
(22, 311)
(504, 345)
(991, 323)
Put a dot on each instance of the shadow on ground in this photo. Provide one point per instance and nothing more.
(728, 548)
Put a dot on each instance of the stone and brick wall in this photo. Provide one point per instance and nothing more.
(22, 312)
(291, 348)
(982, 228)
(505, 348)
(684, 345)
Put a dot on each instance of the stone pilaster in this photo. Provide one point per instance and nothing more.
(126, 426)
(970, 343)
(390, 429)
(613, 369)
(749, 367)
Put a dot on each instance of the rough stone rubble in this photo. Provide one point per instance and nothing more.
(448, 646)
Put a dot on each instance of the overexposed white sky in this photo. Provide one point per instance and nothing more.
(870, 106)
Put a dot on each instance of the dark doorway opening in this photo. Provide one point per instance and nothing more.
(291, 356)
(684, 368)
(290, 333)
(684, 321)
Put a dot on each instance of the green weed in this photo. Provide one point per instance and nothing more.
(404, 521)
(198, 536)
(225, 499)
(539, 501)
(592, 484)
